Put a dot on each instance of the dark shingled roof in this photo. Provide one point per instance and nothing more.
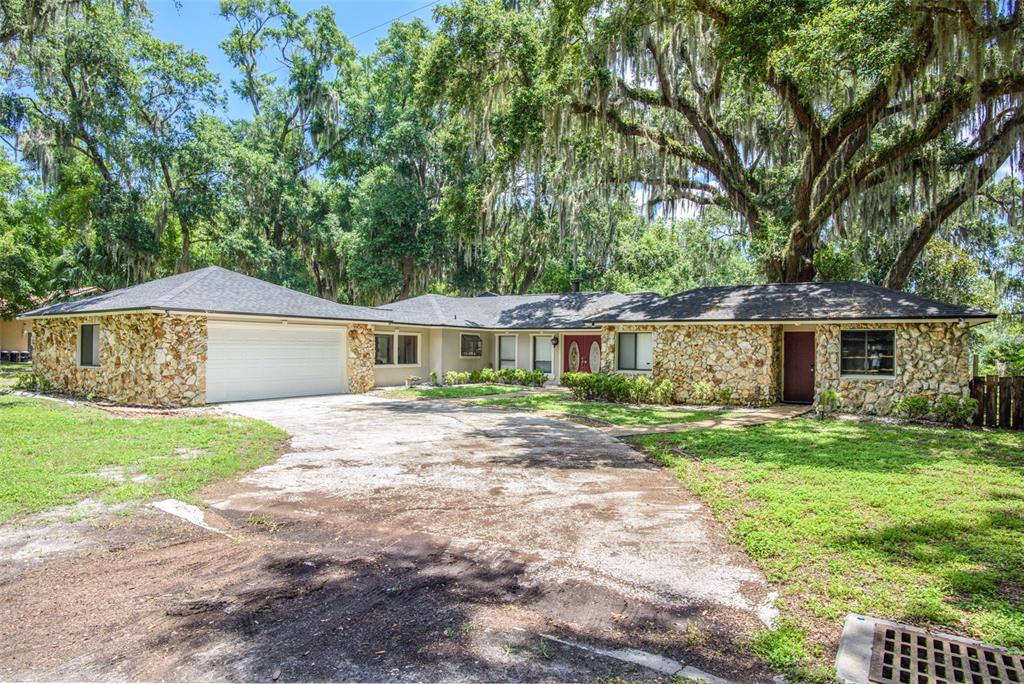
(217, 290)
(214, 290)
(524, 312)
(784, 302)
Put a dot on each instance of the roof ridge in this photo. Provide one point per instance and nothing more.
(197, 276)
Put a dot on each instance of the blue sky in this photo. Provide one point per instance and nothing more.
(196, 24)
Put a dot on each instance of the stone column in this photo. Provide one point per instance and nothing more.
(360, 358)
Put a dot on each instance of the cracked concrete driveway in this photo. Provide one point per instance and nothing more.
(425, 540)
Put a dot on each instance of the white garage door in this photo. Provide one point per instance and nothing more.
(264, 361)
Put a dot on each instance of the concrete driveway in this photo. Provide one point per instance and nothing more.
(420, 540)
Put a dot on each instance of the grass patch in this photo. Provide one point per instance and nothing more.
(617, 414)
(9, 373)
(460, 391)
(921, 525)
(53, 455)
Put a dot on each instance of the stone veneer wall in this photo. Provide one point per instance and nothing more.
(145, 358)
(744, 358)
(931, 360)
(360, 358)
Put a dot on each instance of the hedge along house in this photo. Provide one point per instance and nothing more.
(213, 335)
(790, 342)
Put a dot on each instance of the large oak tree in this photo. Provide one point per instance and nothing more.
(809, 119)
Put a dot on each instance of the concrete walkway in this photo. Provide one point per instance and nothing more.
(728, 419)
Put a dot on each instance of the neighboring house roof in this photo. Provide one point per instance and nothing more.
(785, 302)
(213, 290)
(569, 310)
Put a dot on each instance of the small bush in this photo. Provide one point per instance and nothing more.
(641, 389)
(33, 383)
(912, 407)
(664, 393)
(702, 392)
(829, 402)
(955, 410)
(725, 395)
(456, 378)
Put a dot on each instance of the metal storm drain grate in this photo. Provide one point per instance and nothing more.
(904, 655)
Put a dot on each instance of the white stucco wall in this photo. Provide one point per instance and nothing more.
(388, 376)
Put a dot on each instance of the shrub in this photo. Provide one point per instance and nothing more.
(433, 377)
(664, 393)
(32, 382)
(702, 392)
(955, 410)
(913, 407)
(456, 377)
(641, 389)
(829, 402)
(725, 395)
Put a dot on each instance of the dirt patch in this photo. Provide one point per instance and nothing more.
(162, 601)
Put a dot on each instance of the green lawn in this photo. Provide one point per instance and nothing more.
(461, 391)
(52, 454)
(916, 524)
(617, 414)
(9, 373)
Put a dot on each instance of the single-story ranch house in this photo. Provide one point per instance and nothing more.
(213, 335)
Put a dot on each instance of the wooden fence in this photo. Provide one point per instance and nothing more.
(1000, 401)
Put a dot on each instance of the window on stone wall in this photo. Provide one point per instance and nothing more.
(471, 346)
(89, 345)
(868, 352)
(636, 351)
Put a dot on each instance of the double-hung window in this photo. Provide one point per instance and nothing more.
(636, 351)
(868, 352)
(89, 345)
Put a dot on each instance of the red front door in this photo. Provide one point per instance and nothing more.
(581, 353)
(798, 367)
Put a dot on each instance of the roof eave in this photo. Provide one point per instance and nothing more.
(976, 318)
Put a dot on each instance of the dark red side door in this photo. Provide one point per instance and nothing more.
(798, 367)
(577, 353)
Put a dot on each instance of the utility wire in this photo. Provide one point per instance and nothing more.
(392, 21)
(374, 28)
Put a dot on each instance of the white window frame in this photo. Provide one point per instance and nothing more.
(618, 351)
(481, 338)
(869, 376)
(533, 352)
(78, 346)
(394, 347)
(497, 351)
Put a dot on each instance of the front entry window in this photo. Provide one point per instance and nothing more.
(542, 354)
(507, 351)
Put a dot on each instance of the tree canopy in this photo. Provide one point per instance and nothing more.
(520, 146)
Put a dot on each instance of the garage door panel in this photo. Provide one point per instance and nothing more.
(271, 360)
